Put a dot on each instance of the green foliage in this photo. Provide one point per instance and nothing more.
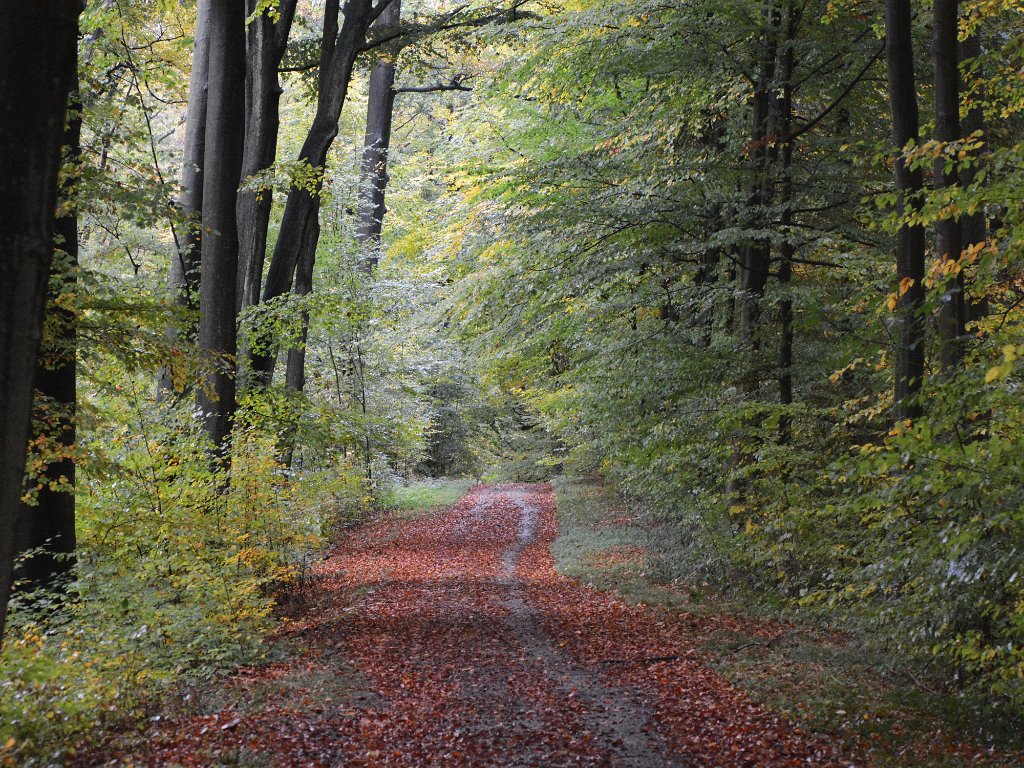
(177, 571)
(611, 190)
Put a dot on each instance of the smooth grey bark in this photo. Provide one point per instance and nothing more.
(38, 48)
(973, 229)
(266, 41)
(373, 177)
(945, 57)
(338, 53)
(185, 265)
(222, 167)
(910, 244)
(47, 528)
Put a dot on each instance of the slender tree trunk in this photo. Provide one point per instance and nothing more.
(787, 249)
(373, 178)
(372, 186)
(185, 265)
(708, 275)
(295, 377)
(910, 335)
(265, 46)
(945, 52)
(337, 57)
(38, 47)
(48, 526)
(756, 257)
(222, 167)
(973, 230)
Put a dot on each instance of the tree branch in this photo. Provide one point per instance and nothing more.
(454, 85)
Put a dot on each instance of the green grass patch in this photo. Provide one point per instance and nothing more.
(422, 496)
(824, 680)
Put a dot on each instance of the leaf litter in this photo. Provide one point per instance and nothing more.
(450, 640)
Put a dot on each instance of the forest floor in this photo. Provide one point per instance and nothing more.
(449, 639)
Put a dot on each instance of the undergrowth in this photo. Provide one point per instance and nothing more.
(887, 712)
(179, 569)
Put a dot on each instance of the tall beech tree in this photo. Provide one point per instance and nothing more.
(373, 175)
(222, 168)
(787, 250)
(185, 264)
(945, 58)
(47, 530)
(267, 39)
(38, 48)
(756, 258)
(373, 181)
(910, 245)
(341, 44)
(973, 229)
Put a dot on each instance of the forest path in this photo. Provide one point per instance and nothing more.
(449, 640)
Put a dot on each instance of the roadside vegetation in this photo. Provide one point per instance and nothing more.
(795, 661)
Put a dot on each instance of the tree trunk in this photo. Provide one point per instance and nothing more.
(787, 249)
(185, 265)
(265, 46)
(947, 130)
(337, 57)
(38, 45)
(295, 376)
(910, 337)
(756, 256)
(222, 167)
(295, 372)
(48, 526)
(373, 177)
(973, 230)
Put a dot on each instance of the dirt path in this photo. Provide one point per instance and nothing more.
(449, 640)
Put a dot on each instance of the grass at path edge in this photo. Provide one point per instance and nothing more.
(417, 497)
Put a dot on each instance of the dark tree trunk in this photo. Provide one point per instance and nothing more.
(295, 372)
(910, 334)
(295, 376)
(48, 526)
(372, 186)
(973, 230)
(787, 249)
(185, 266)
(337, 57)
(945, 52)
(265, 46)
(222, 167)
(38, 48)
(756, 256)
(373, 178)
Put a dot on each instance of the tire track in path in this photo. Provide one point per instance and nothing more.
(617, 719)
